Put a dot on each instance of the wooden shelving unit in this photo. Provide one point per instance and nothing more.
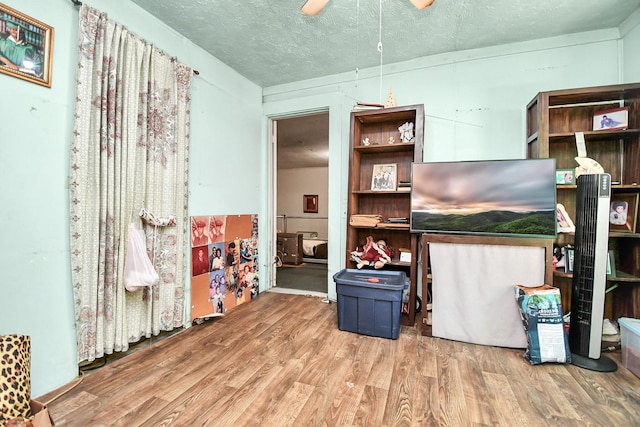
(552, 120)
(379, 126)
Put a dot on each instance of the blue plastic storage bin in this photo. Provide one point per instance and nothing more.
(370, 301)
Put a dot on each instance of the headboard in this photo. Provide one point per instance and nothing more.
(308, 234)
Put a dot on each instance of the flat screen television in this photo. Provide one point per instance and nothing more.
(498, 197)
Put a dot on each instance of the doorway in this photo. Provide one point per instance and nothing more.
(301, 176)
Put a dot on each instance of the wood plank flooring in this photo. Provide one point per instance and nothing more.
(280, 360)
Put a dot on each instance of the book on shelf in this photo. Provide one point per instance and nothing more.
(397, 219)
(363, 106)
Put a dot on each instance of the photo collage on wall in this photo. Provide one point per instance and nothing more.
(224, 263)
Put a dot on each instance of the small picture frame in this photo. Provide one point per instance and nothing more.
(623, 212)
(568, 265)
(310, 203)
(613, 119)
(565, 177)
(384, 177)
(26, 47)
(405, 256)
(611, 265)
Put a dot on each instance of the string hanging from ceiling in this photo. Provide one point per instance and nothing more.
(357, 39)
(380, 50)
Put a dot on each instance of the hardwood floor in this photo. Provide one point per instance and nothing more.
(280, 360)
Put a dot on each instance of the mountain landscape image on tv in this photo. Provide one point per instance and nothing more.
(498, 197)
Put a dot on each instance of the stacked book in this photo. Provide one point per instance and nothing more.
(363, 220)
(364, 106)
(404, 186)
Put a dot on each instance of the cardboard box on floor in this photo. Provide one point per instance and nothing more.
(42, 417)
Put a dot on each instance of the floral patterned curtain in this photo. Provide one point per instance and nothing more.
(129, 152)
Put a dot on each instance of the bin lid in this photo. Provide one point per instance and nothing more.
(631, 324)
(379, 279)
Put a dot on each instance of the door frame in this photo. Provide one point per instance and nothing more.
(273, 128)
(339, 107)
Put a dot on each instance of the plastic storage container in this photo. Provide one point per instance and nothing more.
(370, 301)
(630, 340)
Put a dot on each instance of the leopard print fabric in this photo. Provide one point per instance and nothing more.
(15, 378)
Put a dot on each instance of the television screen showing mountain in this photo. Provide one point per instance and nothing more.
(498, 197)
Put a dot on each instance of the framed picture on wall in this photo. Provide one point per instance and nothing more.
(26, 47)
(310, 203)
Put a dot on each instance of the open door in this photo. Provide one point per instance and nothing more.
(301, 164)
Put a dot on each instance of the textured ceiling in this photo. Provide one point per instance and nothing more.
(271, 42)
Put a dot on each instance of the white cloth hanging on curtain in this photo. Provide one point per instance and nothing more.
(473, 296)
(138, 270)
(150, 218)
(157, 221)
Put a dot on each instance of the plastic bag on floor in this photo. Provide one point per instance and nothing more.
(138, 270)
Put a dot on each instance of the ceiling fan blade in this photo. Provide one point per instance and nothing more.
(313, 7)
(421, 4)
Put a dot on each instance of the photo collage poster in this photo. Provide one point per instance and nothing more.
(224, 263)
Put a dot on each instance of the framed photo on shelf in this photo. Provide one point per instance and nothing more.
(26, 47)
(614, 119)
(623, 212)
(568, 265)
(310, 203)
(384, 177)
(565, 177)
(564, 223)
(611, 265)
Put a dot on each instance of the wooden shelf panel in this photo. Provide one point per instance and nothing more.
(385, 148)
(614, 187)
(406, 113)
(596, 94)
(381, 193)
(615, 234)
(620, 277)
(619, 235)
(594, 135)
(401, 227)
(394, 263)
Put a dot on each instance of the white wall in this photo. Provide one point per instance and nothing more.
(630, 30)
(293, 184)
(226, 160)
(475, 103)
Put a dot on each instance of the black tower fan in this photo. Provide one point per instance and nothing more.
(590, 273)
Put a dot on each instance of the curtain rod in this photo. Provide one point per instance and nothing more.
(78, 3)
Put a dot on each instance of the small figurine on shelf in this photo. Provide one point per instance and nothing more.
(366, 141)
(391, 140)
(372, 254)
(406, 132)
